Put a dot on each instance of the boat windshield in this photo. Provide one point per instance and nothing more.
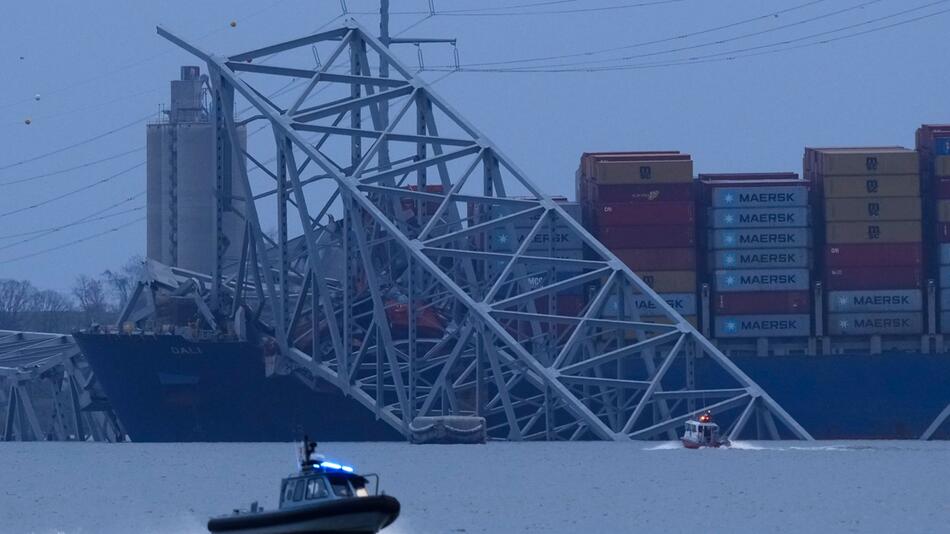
(341, 488)
(316, 489)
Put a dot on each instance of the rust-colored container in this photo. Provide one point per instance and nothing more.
(627, 237)
(751, 178)
(658, 259)
(873, 209)
(891, 185)
(643, 172)
(670, 281)
(866, 161)
(862, 278)
(942, 166)
(652, 213)
(880, 255)
(873, 232)
(777, 302)
(685, 192)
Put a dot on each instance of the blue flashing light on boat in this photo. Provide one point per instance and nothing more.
(336, 466)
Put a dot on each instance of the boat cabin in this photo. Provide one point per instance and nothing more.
(303, 489)
(702, 432)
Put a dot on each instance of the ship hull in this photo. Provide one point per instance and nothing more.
(165, 388)
(887, 396)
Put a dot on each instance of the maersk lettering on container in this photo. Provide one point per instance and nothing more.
(761, 238)
(759, 218)
(762, 280)
(562, 238)
(760, 197)
(782, 258)
(882, 300)
(682, 303)
(863, 324)
(798, 325)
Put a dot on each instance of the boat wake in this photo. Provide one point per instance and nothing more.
(665, 446)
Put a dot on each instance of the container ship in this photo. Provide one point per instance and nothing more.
(830, 288)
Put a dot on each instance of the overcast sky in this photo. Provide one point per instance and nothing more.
(98, 66)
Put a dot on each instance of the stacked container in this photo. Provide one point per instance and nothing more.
(758, 254)
(872, 243)
(933, 147)
(641, 206)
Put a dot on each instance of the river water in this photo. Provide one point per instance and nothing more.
(755, 487)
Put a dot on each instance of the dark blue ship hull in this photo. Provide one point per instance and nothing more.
(165, 388)
(888, 396)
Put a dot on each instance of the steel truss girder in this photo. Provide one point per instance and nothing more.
(502, 348)
(47, 390)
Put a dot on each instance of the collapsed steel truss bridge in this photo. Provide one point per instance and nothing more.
(405, 269)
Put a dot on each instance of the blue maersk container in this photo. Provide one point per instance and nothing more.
(794, 217)
(865, 324)
(882, 300)
(754, 280)
(760, 238)
(760, 197)
(737, 326)
(777, 258)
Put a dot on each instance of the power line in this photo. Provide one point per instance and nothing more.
(49, 231)
(80, 220)
(77, 144)
(73, 168)
(73, 243)
(731, 54)
(503, 11)
(74, 191)
(720, 41)
(770, 15)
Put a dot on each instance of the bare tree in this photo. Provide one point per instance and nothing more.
(91, 297)
(14, 302)
(52, 312)
(121, 282)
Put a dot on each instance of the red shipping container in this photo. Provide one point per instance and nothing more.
(754, 179)
(882, 255)
(641, 192)
(653, 213)
(778, 302)
(627, 237)
(658, 259)
(859, 278)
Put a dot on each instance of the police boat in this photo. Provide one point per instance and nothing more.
(703, 432)
(322, 497)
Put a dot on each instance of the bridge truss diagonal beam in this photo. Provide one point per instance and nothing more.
(432, 285)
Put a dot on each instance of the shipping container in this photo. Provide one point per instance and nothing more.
(945, 299)
(759, 218)
(944, 254)
(670, 281)
(943, 188)
(627, 237)
(777, 258)
(867, 278)
(873, 232)
(943, 232)
(643, 172)
(761, 280)
(563, 238)
(658, 259)
(898, 185)
(759, 197)
(873, 209)
(653, 213)
(874, 255)
(642, 192)
(945, 323)
(945, 276)
(752, 178)
(589, 160)
(778, 302)
(784, 325)
(943, 210)
(865, 324)
(865, 161)
(682, 303)
(885, 300)
(942, 146)
(760, 238)
(942, 166)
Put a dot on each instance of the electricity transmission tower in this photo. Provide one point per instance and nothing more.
(405, 268)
